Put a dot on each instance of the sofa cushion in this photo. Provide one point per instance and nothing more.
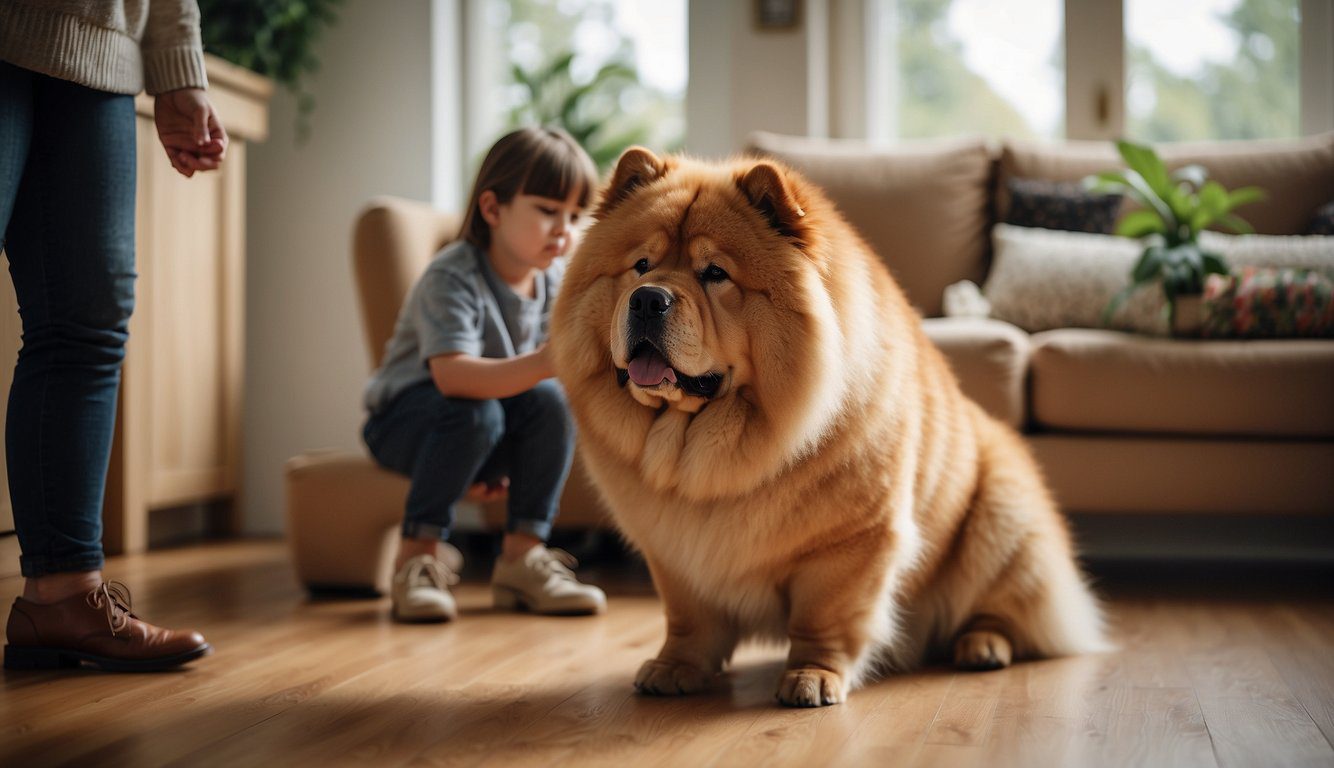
(1063, 205)
(1153, 473)
(990, 359)
(1260, 303)
(924, 207)
(1297, 174)
(1323, 221)
(1041, 279)
(1085, 379)
(1314, 252)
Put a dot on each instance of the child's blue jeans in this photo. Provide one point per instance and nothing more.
(445, 444)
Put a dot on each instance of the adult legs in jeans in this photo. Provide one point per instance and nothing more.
(447, 444)
(67, 174)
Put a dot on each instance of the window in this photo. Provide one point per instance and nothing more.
(1212, 69)
(1150, 70)
(953, 67)
(611, 72)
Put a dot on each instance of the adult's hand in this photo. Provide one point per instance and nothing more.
(190, 130)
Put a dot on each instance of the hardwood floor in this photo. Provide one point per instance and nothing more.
(1207, 674)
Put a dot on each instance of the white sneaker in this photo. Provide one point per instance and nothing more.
(421, 588)
(542, 582)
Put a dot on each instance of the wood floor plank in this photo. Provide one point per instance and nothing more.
(1157, 726)
(965, 717)
(1211, 681)
(904, 706)
(1299, 648)
(1247, 705)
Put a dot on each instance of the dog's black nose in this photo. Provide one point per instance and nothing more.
(650, 303)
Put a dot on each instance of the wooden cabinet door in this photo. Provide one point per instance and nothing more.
(178, 436)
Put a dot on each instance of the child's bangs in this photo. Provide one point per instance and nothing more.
(559, 169)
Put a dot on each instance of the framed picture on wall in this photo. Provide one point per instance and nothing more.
(777, 15)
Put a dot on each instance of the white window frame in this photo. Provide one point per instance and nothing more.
(864, 78)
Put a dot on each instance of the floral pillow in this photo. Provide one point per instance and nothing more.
(1062, 206)
(1256, 302)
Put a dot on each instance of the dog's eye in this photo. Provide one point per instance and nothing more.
(713, 274)
(641, 266)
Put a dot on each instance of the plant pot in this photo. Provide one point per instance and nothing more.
(1188, 317)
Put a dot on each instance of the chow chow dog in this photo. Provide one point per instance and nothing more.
(771, 428)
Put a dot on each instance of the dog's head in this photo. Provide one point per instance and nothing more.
(696, 331)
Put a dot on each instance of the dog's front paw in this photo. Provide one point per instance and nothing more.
(659, 677)
(811, 688)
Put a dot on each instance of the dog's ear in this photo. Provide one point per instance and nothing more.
(638, 166)
(768, 190)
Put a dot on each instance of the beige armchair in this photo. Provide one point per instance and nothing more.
(343, 510)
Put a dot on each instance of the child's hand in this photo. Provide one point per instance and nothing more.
(543, 357)
(484, 492)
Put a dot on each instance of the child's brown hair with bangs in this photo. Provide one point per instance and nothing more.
(546, 161)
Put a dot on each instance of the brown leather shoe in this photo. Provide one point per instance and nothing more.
(97, 628)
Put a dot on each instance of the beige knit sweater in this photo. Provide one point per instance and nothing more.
(119, 46)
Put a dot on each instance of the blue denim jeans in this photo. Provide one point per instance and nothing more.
(67, 175)
(445, 444)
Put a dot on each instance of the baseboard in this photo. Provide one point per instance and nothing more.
(1206, 538)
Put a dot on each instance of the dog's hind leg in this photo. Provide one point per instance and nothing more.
(1017, 581)
(983, 644)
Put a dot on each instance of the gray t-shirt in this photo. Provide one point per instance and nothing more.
(461, 305)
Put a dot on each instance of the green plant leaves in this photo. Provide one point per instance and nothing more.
(1235, 223)
(1214, 264)
(1145, 162)
(587, 110)
(1140, 223)
(1238, 197)
(1177, 207)
(275, 38)
(1148, 267)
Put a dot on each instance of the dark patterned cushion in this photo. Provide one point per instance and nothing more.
(1057, 205)
(1323, 223)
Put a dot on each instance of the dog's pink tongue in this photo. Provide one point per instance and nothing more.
(649, 369)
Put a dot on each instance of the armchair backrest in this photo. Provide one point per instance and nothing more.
(392, 242)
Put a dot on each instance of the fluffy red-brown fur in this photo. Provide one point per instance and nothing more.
(839, 491)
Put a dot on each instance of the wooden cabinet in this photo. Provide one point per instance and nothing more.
(178, 428)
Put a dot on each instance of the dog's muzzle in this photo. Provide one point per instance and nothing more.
(649, 366)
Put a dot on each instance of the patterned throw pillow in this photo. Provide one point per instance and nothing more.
(1266, 303)
(1323, 223)
(1060, 205)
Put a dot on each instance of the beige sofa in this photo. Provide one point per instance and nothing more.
(1120, 423)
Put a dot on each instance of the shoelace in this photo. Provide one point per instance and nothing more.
(114, 598)
(558, 562)
(431, 572)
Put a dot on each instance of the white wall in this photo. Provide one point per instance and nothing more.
(305, 356)
(743, 79)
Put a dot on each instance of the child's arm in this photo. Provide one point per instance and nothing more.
(483, 378)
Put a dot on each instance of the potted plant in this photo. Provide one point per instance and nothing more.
(591, 111)
(1176, 208)
(275, 38)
